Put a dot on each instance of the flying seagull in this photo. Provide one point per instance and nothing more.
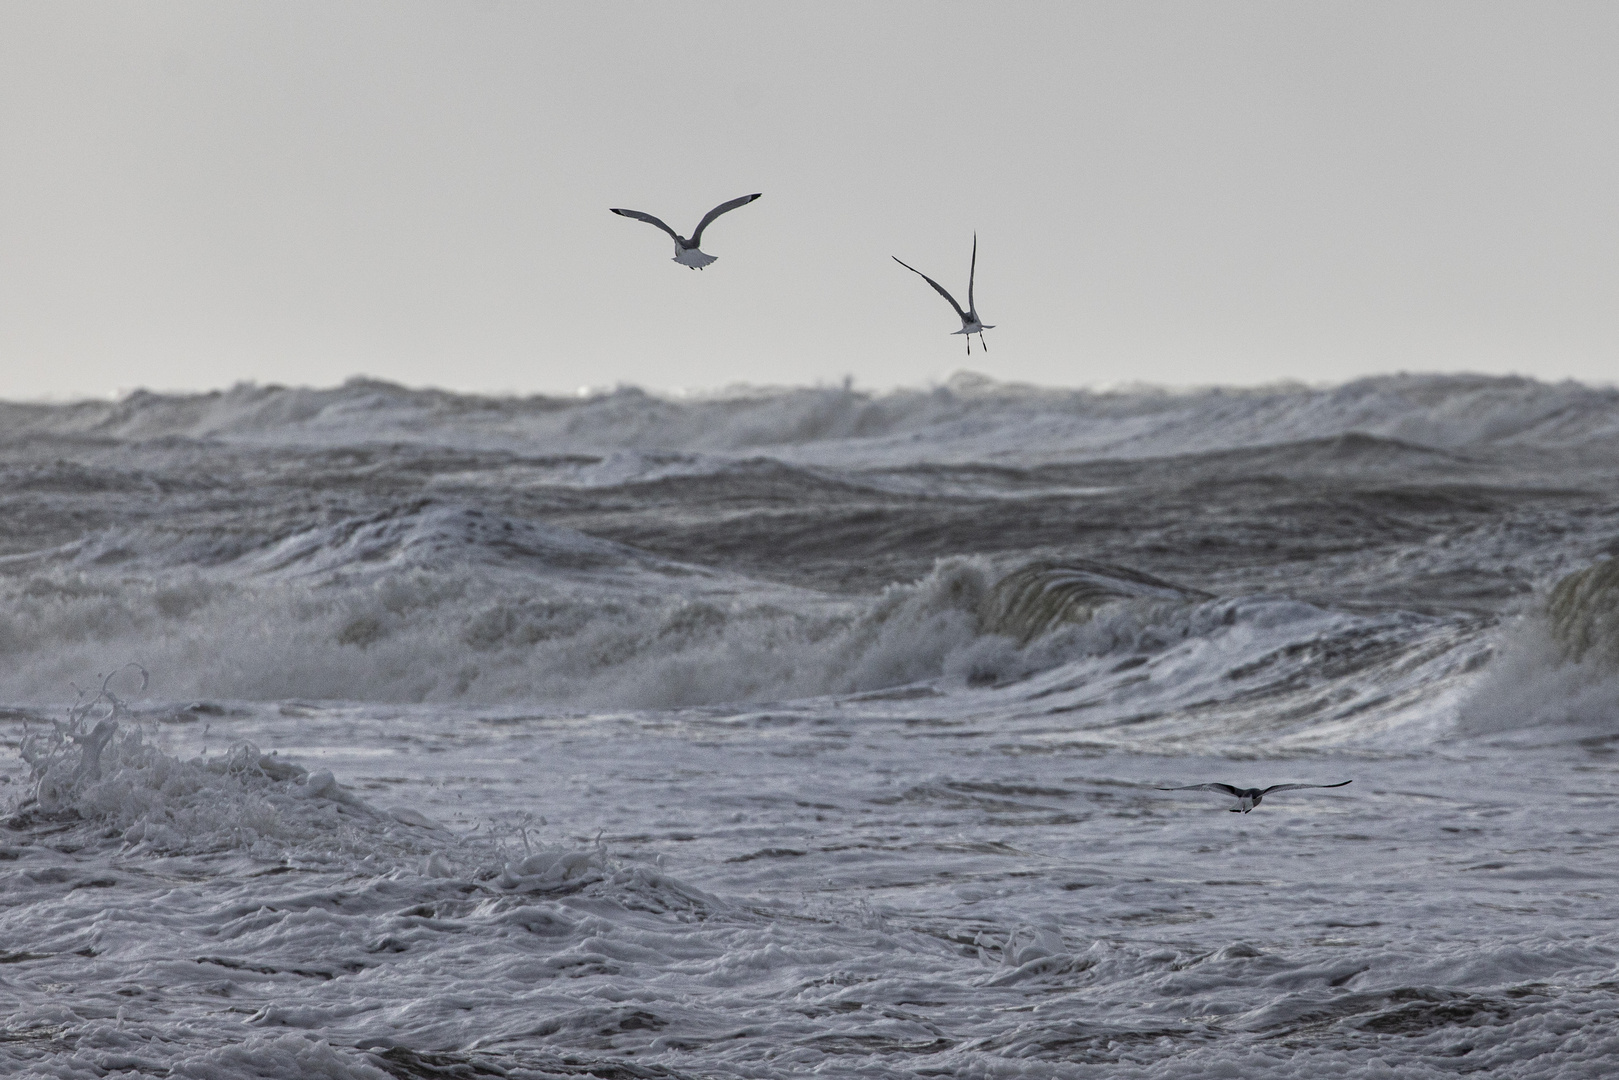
(970, 323)
(686, 253)
(1248, 798)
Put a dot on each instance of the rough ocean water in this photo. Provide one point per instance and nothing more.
(795, 732)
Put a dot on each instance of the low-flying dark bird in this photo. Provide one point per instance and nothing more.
(686, 253)
(1249, 797)
(970, 322)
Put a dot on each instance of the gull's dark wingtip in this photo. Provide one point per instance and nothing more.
(616, 210)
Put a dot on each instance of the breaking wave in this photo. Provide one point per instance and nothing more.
(1067, 635)
(434, 603)
(1556, 671)
(1042, 596)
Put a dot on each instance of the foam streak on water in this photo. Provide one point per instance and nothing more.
(811, 733)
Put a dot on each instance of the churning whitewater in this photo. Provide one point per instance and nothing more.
(371, 732)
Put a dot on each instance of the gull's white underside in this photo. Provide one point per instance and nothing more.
(692, 257)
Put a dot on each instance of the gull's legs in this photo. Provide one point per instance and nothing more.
(982, 342)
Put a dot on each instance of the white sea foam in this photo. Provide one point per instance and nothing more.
(885, 898)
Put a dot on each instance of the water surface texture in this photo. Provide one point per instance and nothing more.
(799, 732)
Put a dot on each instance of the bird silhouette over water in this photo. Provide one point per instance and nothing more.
(970, 322)
(1248, 798)
(686, 251)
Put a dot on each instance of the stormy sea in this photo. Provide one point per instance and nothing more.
(374, 732)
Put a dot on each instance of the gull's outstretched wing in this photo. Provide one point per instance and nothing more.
(1223, 788)
(972, 305)
(649, 219)
(1293, 787)
(939, 288)
(697, 237)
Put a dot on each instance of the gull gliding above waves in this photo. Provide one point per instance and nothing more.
(1248, 798)
(686, 253)
(970, 322)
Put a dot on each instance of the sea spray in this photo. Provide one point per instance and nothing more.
(1555, 672)
(99, 773)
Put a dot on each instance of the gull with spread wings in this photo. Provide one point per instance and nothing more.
(1248, 798)
(970, 322)
(686, 253)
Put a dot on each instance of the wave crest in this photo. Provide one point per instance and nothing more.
(1582, 612)
(969, 418)
(1038, 598)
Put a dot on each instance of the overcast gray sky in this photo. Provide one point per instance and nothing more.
(196, 193)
